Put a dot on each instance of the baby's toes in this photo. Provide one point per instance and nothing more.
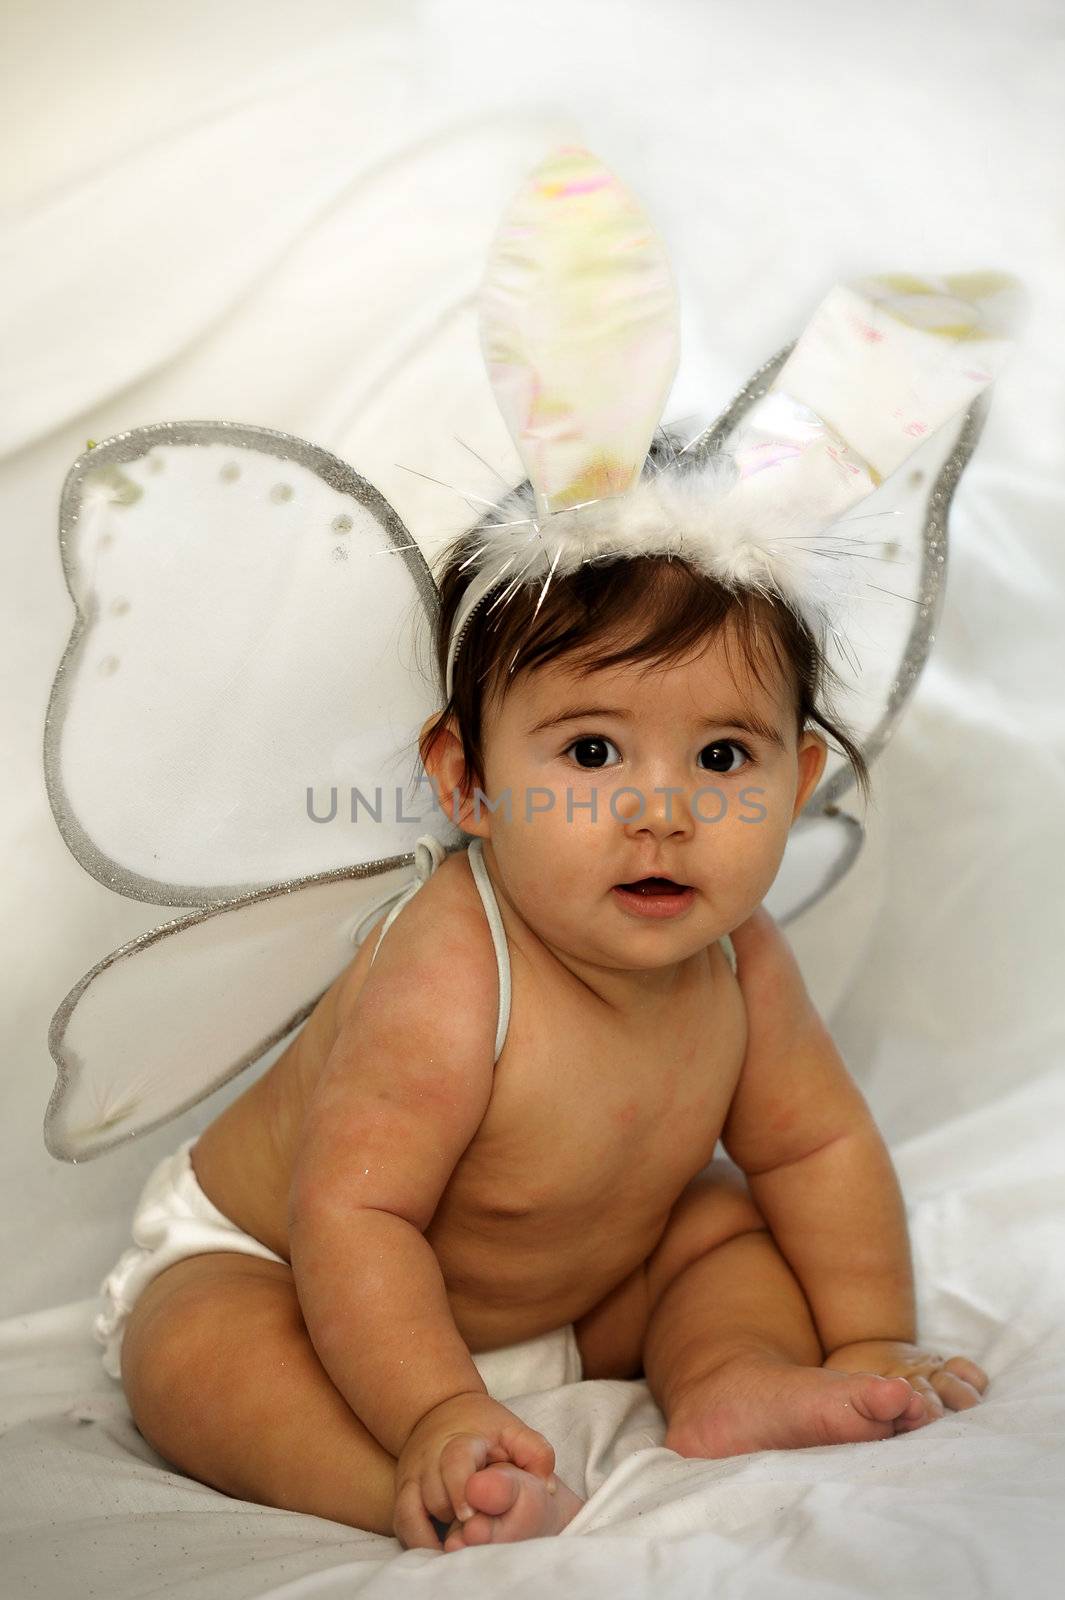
(924, 1407)
(954, 1391)
(968, 1372)
(883, 1399)
(513, 1505)
(478, 1529)
(490, 1491)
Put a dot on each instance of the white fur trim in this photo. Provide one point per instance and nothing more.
(771, 541)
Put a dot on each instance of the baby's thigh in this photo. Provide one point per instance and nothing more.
(610, 1336)
(224, 1382)
(195, 1319)
(714, 1207)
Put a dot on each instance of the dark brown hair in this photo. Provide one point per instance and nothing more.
(656, 609)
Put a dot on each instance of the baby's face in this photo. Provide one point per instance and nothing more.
(598, 779)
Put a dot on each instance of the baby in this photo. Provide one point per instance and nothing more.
(431, 1204)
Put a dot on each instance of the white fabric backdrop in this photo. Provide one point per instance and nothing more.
(278, 214)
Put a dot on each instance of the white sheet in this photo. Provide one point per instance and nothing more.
(214, 216)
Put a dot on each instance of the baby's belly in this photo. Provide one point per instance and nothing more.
(517, 1281)
(555, 1205)
(510, 1272)
(529, 1242)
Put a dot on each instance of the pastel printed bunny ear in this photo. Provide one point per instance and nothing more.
(885, 363)
(579, 329)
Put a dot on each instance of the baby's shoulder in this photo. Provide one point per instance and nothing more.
(769, 974)
(437, 947)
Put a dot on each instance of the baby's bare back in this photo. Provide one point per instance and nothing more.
(594, 1126)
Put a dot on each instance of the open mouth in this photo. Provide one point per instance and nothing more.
(654, 886)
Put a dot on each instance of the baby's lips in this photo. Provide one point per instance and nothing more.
(653, 878)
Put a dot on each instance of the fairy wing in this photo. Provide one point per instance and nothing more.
(906, 413)
(238, 703)
(233, 727)
(890, 630)
(889, 637)
(165, 1020)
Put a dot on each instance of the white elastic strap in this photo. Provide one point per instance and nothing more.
(428, 854)
(499, 939)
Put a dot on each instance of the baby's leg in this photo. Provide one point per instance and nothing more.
(223, 1382)
(731, 1353)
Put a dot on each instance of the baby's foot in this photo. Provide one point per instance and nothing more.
(752, 1403)
(510, 1504)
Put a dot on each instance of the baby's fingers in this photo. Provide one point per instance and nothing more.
(410, 1519)
(460, 1458)
(530, 1450)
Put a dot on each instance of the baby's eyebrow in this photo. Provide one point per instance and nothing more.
(746, 723)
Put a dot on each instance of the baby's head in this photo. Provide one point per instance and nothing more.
(689, 757)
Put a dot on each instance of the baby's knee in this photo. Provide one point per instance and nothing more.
(717, 1204)
(714, 1207)
(182, 1338)
(160, 1361)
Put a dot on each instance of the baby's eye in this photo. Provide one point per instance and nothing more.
(595, 746)
(724, 744)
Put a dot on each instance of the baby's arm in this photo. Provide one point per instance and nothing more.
(822, 1177)
(816, 1164)
(398, 1100)
(402, 1094)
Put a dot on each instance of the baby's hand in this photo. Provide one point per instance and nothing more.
(453, 1440)
(956, 1382)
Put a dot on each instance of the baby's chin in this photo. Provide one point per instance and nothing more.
(606, 940)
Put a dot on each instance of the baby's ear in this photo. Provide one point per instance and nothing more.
(444, 760)
(426, 729)
(435, 740)
(813, 753)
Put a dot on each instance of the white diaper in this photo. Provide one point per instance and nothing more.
(173, 1219)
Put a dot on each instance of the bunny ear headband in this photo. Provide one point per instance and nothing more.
(233, 727)
(580, 332)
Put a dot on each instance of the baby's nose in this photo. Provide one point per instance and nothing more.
(662, 809)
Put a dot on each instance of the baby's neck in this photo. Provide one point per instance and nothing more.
(636, 993)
